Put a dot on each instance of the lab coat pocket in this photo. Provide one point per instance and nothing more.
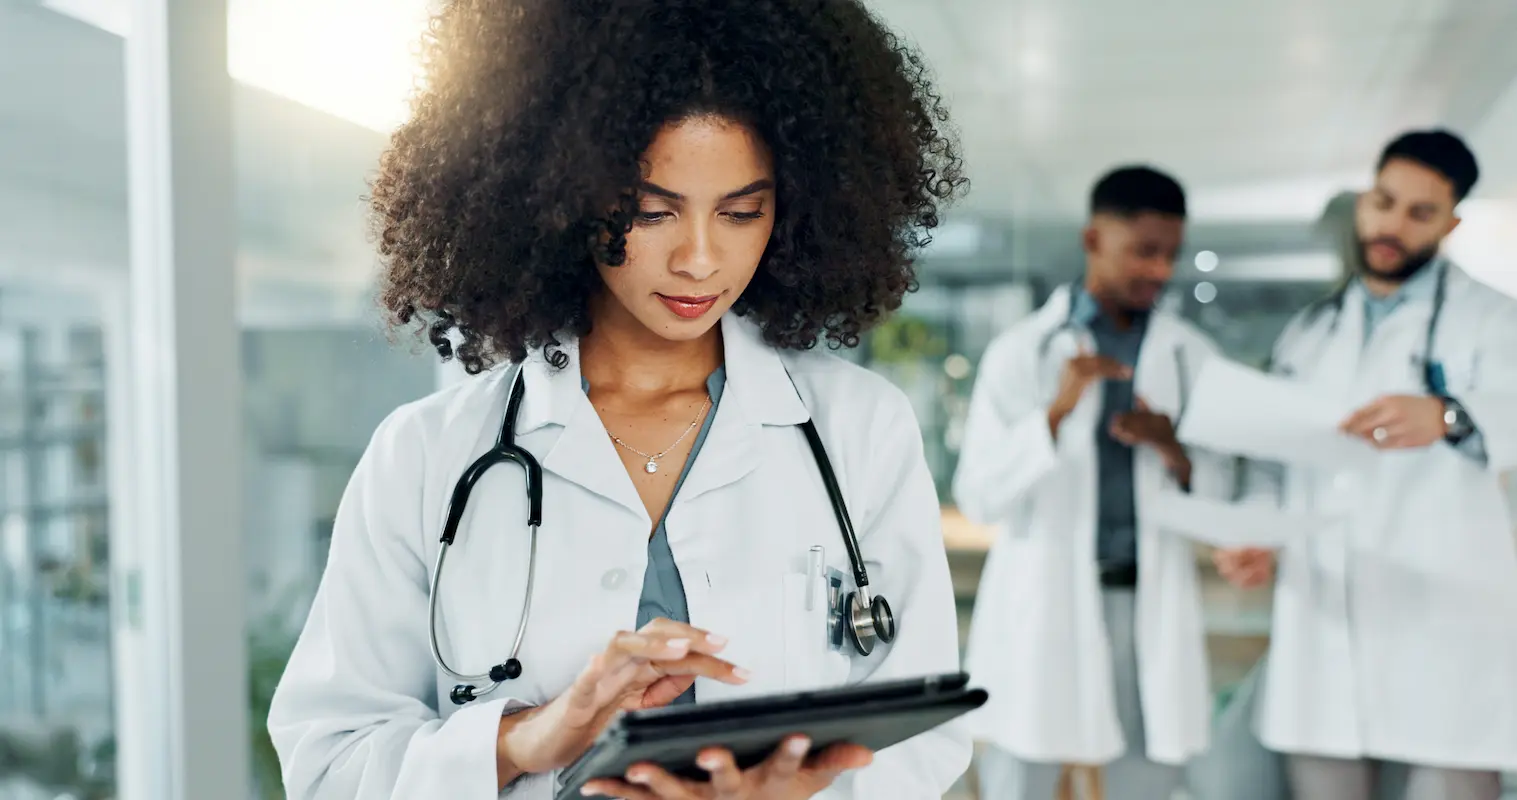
(810, 662)
(1461, 373)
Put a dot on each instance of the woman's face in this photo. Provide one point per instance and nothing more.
(705, 213)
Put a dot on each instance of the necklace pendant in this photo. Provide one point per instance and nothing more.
(651, 467)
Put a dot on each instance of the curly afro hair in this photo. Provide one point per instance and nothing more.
(517, 170)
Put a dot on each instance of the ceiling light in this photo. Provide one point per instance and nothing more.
(957, 367)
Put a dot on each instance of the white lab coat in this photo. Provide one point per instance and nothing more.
(1395, 630)
(357, 714)
(1038, 642)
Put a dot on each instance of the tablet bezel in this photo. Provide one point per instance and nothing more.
(774, 704)
(945, 696)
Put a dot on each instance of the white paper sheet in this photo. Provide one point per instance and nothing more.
(1223, 524)
(1241, 411)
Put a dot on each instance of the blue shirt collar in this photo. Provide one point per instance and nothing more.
(1086, 312)
(1418, 287)
(1083, 308)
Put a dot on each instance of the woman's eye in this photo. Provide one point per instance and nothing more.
(652, 217)
(744, 216)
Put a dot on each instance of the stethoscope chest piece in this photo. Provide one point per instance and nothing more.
(869, 621)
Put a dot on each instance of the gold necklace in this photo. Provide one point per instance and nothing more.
(652, 464)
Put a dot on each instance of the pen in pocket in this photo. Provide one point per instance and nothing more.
(814, 564)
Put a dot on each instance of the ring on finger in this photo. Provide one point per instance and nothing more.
(1381, 434)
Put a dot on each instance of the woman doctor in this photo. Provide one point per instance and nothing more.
(656, 209)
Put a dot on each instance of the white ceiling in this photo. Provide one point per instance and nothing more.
(1263, 108)
(1243, 100)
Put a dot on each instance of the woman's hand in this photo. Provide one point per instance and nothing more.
(785, 775)
(646, 669)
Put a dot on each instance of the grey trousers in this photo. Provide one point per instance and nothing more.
(1319, 778)
(1003, 776)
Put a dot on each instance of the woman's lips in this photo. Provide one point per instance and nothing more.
(688, 307)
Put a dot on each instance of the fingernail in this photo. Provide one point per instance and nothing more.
(709, 763)
(798, 747)
(638, 777)
(678, 644)
(740, 673)
(716, 640)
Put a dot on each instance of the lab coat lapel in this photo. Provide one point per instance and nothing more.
(582, 451)
(1168, 613)
(1337, 368)
(1157, 375)
(759, 392)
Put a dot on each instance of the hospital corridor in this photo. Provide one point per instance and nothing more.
(1149, 369)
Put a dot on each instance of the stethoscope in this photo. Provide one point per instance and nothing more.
(1433, 379)
(865, 619)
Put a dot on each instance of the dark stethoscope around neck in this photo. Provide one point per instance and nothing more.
(1433, 379)
(1071, 322)
(866, 619)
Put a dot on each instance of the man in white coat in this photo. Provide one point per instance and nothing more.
(1087, 629)
(1395, 633)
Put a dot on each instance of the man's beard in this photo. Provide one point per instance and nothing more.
(1411, 263)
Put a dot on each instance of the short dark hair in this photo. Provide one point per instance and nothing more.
(518, 167)
(1133, 190)
(1440, 151)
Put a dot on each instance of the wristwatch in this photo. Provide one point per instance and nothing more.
(1456, 420)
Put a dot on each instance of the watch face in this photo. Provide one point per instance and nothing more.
(1454, 418)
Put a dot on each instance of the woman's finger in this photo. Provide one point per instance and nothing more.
(786, 760)
(666, 690)
(701, 640)
(607, 675)
(612, 674)
(675, 656)
(702, 666)
(842, 757)
(726, 778)
(652, 646)
(660, 783)
(825, 767)
(618, 789)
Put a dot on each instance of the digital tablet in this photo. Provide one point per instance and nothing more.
(874, 715)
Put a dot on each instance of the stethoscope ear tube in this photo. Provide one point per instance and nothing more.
(867, 618)
(509, 669)
(839, 510)
(505, 450)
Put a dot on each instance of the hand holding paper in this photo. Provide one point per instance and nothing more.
(1398, 422)
(1242, 411)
